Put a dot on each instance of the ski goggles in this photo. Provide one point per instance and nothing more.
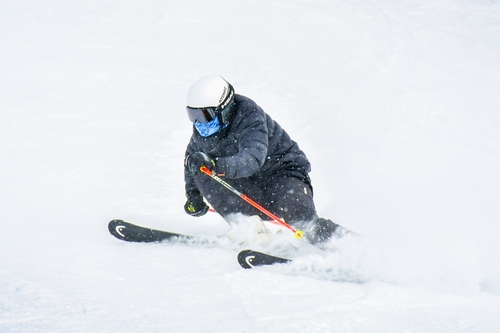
(202, 115)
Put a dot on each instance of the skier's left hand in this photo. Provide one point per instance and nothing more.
(195, 161)
(195, 206)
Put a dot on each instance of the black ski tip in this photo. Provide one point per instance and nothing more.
(116, 228)
(245, 259)
(129, 232)
(249, 259)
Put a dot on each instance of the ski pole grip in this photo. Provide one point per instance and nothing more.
(205, 170)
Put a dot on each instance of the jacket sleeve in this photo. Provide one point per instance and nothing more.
(252, 148)
(191, 188)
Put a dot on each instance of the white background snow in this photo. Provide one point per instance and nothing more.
(396, 104)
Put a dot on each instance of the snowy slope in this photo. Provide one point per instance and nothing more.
(394, 102)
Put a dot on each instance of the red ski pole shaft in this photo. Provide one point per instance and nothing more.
(275, 219)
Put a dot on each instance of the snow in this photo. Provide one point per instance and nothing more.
(394, 102)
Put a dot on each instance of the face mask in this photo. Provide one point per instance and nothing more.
(208, 128)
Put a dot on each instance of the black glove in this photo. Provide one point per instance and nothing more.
(195, 206)
(195, 161)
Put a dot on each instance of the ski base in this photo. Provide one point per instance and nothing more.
(250, 259)
(133, 233)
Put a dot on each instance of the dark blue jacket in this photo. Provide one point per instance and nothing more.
(251, 145)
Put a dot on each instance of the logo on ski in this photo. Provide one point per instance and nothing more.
(249, 259)
(119, 229)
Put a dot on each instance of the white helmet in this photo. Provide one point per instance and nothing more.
(208, 98)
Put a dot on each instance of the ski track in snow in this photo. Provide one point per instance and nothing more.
(395, 104)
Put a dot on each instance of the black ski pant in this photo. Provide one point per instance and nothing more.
(286, 196)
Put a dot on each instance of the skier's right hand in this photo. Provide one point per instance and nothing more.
(195, 206)
(195, 161)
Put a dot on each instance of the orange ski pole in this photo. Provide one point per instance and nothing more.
(276, 220)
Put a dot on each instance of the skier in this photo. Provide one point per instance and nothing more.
(234, 138)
